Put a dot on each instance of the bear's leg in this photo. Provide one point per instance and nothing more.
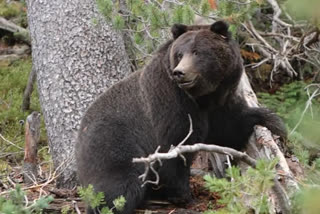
(267, 118)
(233, 127)
(174, 181)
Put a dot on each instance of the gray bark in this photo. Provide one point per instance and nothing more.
(76, 56)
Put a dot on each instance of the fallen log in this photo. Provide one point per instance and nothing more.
(19, 32)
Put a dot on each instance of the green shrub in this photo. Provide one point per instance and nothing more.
(15, 203)
(236, 189)
(95, 200)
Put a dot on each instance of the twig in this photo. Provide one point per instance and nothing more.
(10, 142)
(76, 207)
(308, 104)
(277, 12)
(266, 34)
(229, 165)
(11, 182)
(259, 37)
(3, 155)
(52, 176)
(189, 133)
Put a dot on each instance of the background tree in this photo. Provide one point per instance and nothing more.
(76, 55)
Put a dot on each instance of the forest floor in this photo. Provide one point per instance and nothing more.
(66, 200)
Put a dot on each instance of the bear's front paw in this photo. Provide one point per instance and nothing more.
(181, 200)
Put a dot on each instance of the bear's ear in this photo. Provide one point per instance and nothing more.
(178, 29)
(221, 27)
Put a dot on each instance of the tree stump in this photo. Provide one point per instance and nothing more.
(32, 138)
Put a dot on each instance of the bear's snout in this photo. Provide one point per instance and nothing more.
(185, 80)
(178, 74)
(184, 72)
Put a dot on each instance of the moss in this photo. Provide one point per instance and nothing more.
(14, 10)
(9, 10)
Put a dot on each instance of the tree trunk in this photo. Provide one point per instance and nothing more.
(76, 56)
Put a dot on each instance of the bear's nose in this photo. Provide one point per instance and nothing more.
(178, 74)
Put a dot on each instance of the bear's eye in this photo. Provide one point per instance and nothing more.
(179, 56)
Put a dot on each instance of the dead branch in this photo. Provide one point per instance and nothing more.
(19, 32)
(279, 47)
(267, 34)
(177, 151)
(255, 33)
(28, 91)
(308, 39)
(76, 207)
(276, 14)
(279, 57)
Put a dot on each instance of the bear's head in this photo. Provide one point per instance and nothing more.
(204, 59)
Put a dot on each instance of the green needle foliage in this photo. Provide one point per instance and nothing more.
(15, 203)
(90, 197)
(236, 189)
(288, 101)
(148, 22)
(96, 200)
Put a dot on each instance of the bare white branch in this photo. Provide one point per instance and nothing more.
(314, 94)
(12, 144)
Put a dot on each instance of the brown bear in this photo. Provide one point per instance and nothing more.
(195, 73)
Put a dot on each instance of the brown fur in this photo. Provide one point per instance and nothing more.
(151, 107)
